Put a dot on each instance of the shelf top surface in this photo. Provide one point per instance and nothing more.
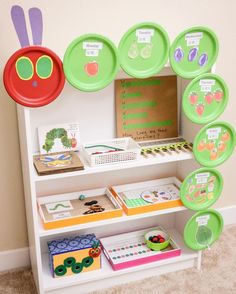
(110, 221)
(150, 160)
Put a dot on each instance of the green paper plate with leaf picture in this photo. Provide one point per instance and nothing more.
(143, 50)
(203, 229)
(201, 188)
(205, 98)
(193, 52)
(91, 62)
(214, 144)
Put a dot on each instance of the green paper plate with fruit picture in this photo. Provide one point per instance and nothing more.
(143, 50)
(91, 62)
(201, 188)
(214, 144)
(203, 229)
(205, 98)
(194, 52)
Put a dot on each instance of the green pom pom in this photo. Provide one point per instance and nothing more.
(69, 261)
(87, 261)
(77, 268)
(60, 270)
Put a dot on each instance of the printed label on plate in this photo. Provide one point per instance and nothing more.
(58, 206)
(202, 178)
(144, 36)
(213, 133)
(206, 85)
(61, 215)
(203, 220)
(92, 52)
(193, 39)
(92, 45)
(92, 48)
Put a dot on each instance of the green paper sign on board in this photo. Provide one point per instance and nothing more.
(193, 52)
(205, 98)
(214, 144)
(91, 62)
(201, 189)
(144, 50)
(203, 229)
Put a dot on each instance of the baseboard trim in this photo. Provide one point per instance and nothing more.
(229, 214)
(13, 259)
(18, 258)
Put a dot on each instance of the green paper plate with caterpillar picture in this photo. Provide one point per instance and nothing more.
(193, 52)
(203, 229)
(91, 62)
(205, 98)
(214, 144)
(201, 188)
(143, 50)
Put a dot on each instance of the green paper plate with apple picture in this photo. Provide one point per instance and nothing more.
(201, 188)
(205, 98)
(91, 62)
(194, 52)
(214, 144)
(143, 50)
(203, 229)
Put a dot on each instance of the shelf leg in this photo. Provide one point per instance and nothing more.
(199, 260)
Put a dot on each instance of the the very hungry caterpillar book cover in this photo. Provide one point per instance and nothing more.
(59, 138)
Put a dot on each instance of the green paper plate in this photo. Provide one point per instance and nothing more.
(205, 98)
(193, 52)
(203, 229)
(214, 144)
(91, 62)
(201, 189)
(143, 50)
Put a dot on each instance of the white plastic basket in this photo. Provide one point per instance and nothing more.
(131, 151)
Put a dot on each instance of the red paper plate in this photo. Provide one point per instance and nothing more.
(33, 76)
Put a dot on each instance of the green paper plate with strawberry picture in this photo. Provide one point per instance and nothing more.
(203, 229)
(91, 62)
(194, 52)
(205, 98)
(214, 144)
(201, 188)
(143, 50)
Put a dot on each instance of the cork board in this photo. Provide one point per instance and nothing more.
(146, 109)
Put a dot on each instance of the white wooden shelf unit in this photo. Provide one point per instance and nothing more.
(90, 110)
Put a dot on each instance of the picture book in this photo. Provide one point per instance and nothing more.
(59, 138)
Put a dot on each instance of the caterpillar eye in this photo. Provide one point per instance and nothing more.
(92, 251)
(44, 67)
(24, 68)
(97, 250)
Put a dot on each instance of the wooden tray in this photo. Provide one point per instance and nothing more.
(130, 249)
(133, 204)
(63, 210)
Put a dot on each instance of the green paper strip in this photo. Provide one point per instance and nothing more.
(148, 125)
(139, 105)
(135, 115)
(131, 95)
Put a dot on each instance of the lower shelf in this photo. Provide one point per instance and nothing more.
(106, 272)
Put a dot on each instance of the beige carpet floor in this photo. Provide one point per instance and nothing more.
(218, 275)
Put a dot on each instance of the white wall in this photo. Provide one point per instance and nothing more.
(65, 20)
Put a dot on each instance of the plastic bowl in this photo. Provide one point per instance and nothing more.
(157, 246)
